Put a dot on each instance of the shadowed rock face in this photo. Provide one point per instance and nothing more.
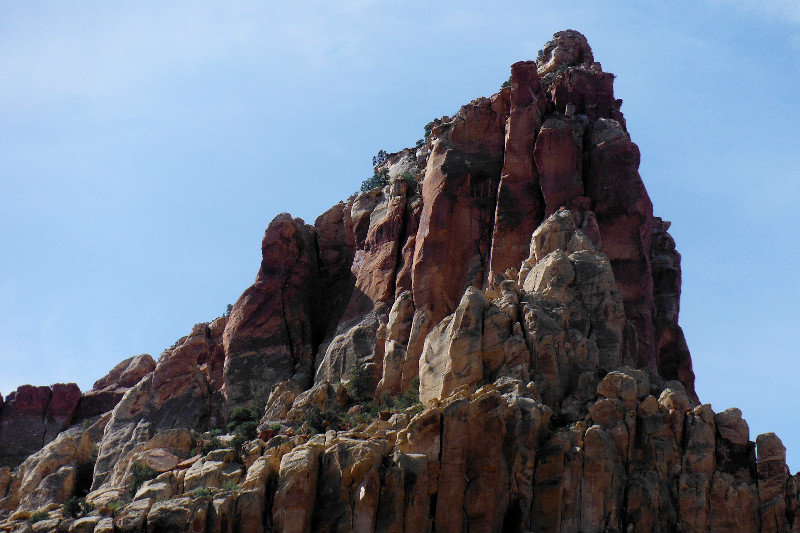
(31, 417)
(269, 336)
(511, 268)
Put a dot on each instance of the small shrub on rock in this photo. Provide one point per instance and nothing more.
(77, 507)
(38, 516)
(210, 446)
(378, 179)
(140, 473)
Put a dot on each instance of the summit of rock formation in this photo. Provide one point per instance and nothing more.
(488, 340)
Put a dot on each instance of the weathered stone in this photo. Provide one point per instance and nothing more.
(349, 478)
(398, 331)
(454, 237)
(295, 495)
(559, 155)
(772, 476)
(624, 215)
(567, 47)
(69, 449)
(733, 505)
(33, 416)
(269, 336)
(133, 517)
(53, 488)
(175, 395)
(520, 206)
(85, 524)
(452, 353)
(178, 515)
(674, 360)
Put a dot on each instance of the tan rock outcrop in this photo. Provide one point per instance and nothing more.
(109, 390)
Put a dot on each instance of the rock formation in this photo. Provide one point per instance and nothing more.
(489, 341)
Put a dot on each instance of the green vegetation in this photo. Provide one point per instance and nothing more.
(140, 473)
(230, 486)
(359, 385)
(236, 443)
(378, 179)
(411, 182)
(113, 507)
(506, 83)
(228, 310)
(379, 158)
(77, 507)
(428, 128)
(201, 491)
(38, 516)
(243, 422)
(210, 446)
(317, 421)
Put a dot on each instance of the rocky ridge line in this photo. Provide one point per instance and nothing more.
(512, 275)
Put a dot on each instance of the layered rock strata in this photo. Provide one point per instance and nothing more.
(487, 342)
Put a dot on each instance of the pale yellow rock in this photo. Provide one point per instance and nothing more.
(70, 448)
(398, 331)
(297, 486)
(179, 515)
(84, 525)
(46, 526)
(452, 353)
(252, 450)
(54, 488)
(211, 474)
(133, 517)
(162, 452)
(106, 525)
(249, 511)
(220, 519)
(155, 490)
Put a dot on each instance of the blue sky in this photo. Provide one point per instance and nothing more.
(143, 151)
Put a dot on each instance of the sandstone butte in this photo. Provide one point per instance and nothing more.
(487, 343)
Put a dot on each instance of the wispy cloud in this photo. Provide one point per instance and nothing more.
(786, 11)
(96, 53)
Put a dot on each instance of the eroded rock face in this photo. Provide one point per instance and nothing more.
(511, 261)
(520, 206)
(177, 394)
(268, 337)
(32, 416)
(109, 390)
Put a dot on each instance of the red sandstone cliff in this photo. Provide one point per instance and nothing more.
(489, 342)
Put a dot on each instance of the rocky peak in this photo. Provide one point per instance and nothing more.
(490, 326)
(568, 48)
